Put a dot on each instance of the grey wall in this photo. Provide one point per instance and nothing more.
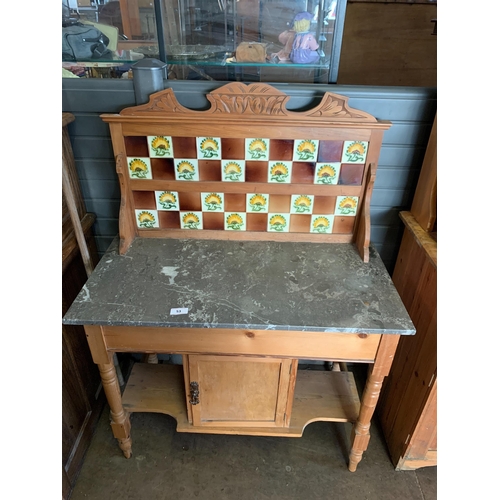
(411, 111)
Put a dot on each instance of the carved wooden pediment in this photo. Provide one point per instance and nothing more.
(257, 99)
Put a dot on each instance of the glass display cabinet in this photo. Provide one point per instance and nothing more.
(250, 40)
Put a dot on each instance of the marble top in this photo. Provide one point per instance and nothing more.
(260, 285)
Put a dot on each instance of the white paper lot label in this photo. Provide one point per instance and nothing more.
(179, 310)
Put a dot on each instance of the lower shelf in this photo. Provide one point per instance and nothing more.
(319, 396)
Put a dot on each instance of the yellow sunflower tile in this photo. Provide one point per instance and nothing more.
(322, 224)
(139, 168)
(354, 152)
(186, 170)
(301, 204)
(346, 205)
(326, 173)
(233, 171)
(146, 219)
(305, 150)
(191, 220)
(278, 223)
(208, 148)
(257, 149)
(257, 202)
(160, 146)
(167, 200)
(235, 221)
(212, 202)
(279, 171)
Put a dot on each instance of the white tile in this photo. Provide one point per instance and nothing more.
(160, 146)
(208, 148)
(257, 202)
(327, 173)
(278, 223)
(279, 171)
(354, 152)
(167, 200)
(346, 205)
(305, 149)
(322, 224)
(301, 204)
(233, 171)
(257, 149)
(191, 220)
(146, 219)
(186, 170)
(235, 221)
(212, 202)
(139, 168)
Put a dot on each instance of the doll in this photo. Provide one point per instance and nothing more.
(304, 44)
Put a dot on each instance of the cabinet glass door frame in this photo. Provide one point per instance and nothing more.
(162, 22)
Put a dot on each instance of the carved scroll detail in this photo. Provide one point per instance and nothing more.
(258, 99)
(257, 105)
(336, 106)
(164, 101)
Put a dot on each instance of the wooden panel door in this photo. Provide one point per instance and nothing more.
(239, 391)
(407, 407)
(82, 397)
(408, 400)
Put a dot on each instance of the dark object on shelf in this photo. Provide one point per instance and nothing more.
(81, 42)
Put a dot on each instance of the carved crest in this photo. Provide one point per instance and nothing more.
(164, 101)
(258, 99)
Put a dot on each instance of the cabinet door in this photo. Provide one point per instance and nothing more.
(239, 391)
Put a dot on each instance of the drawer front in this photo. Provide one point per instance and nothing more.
(284, 344)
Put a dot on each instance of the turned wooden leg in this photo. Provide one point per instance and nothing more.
(360, 435)
(150, 358)
(120, 419)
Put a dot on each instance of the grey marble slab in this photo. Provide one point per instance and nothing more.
(244, 285)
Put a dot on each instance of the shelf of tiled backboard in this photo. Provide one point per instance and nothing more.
(251, 159)
(266, 161)
(252, 211)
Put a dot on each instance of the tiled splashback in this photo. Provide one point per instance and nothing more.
(251, 161)
(304, 161)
